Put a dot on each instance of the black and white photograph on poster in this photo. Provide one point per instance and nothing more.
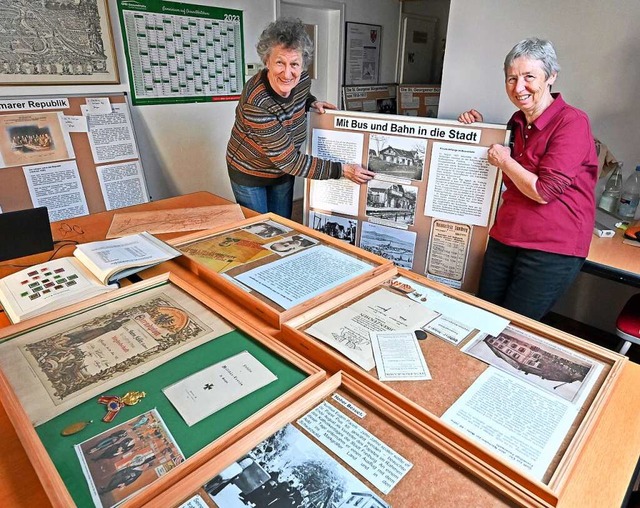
(396, 245)
(392, 202)
(542, 363)
(267, 229)
(387, 106)
(289, 469)
(291, 244)
(397, 156)
(342, 228)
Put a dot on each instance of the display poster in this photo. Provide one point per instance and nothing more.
(418, 100)
(370, 98)
(362, 54)
(178, 52)
(75, 154)
(432, 201)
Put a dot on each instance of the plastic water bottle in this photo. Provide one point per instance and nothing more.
(630, 196)
(612, 191)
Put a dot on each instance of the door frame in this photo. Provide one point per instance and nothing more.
(402, 34)
(327, 5)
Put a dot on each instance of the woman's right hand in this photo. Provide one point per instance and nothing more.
(470, 116)
(356, 173)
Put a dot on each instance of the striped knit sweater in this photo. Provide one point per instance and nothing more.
(267, 134)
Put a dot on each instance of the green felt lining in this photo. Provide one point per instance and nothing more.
(189, 439)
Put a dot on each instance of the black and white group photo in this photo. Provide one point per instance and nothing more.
(289, 470)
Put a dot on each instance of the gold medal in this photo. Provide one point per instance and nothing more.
(74, 428)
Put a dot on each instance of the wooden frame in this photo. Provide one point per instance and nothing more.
(523, 488)
(34, 447)
(431, 476)
(266, 309)
(68, 75)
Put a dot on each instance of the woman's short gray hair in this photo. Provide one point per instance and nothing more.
(534, 49)
(287, 32)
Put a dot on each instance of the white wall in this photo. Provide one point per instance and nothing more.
(598, 47)
(183, 146)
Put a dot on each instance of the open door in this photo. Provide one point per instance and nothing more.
(417, 49)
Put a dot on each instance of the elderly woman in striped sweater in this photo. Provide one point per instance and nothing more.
(263, 153)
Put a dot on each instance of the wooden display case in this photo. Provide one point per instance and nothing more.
(434, 479)
(213, 257)
(203, 333)
(453, 373)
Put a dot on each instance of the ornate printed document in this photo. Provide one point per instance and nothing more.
(217, 386)
(348, 329)
(56, 367)
(301, 276)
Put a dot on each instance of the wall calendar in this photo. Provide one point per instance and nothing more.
(180, 53)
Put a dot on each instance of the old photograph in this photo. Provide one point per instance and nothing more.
(335, 226)
(289, 469)
(394, 244)
(548, 366)
(126, 458)
(391, 201)
(291, 244)
(267, 229)
(397, 156)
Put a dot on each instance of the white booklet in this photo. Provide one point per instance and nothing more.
(209, 390)
(112, 260)
(48, 286)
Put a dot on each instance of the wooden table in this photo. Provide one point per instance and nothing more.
(612, 259)
(601, 477)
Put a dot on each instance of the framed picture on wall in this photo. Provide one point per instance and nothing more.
(312, 32)
(362, 54)
(56, 43)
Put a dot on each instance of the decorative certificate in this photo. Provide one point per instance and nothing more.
(75, 359)
(362, 54)
(217, 386)
(296, 278)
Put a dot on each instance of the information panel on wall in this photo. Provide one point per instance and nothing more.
(180, 52)
(432, 202)
(73, 154)
(418, 100)
(370, 98)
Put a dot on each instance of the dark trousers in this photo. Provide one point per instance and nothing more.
(525, 281)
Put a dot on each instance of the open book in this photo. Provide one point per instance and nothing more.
(112, 260)
(92, 271)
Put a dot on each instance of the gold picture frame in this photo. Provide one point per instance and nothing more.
(46, 58)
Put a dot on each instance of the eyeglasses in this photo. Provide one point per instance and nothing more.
(70, 230)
